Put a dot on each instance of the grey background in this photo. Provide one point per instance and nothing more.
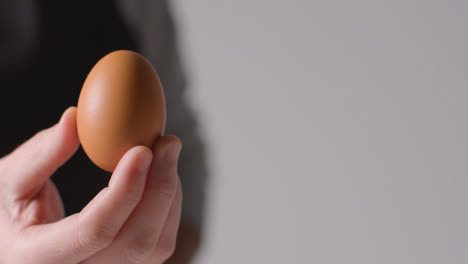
(338, 130)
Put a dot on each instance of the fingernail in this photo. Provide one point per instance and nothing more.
(59, 123)
(173, 151)
(63, 115)
(144, 159)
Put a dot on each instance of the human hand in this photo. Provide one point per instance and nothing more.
(133, 220)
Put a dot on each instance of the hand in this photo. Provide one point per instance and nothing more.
(133, 220)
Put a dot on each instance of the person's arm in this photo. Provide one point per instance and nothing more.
(133, 220)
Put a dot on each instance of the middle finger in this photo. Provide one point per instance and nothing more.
(137, 239)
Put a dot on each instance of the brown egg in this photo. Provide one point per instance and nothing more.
(121, 105)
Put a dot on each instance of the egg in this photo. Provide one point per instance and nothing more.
(121, 105)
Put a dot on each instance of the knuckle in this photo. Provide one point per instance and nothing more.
(95, 238)
(167, 189)
(133, 197)
(139, 250)
(166, 248)
(34, 147)
(36, 143)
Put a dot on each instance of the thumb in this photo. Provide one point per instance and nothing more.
(27, 168)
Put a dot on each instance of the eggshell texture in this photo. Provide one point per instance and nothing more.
(121, 105)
